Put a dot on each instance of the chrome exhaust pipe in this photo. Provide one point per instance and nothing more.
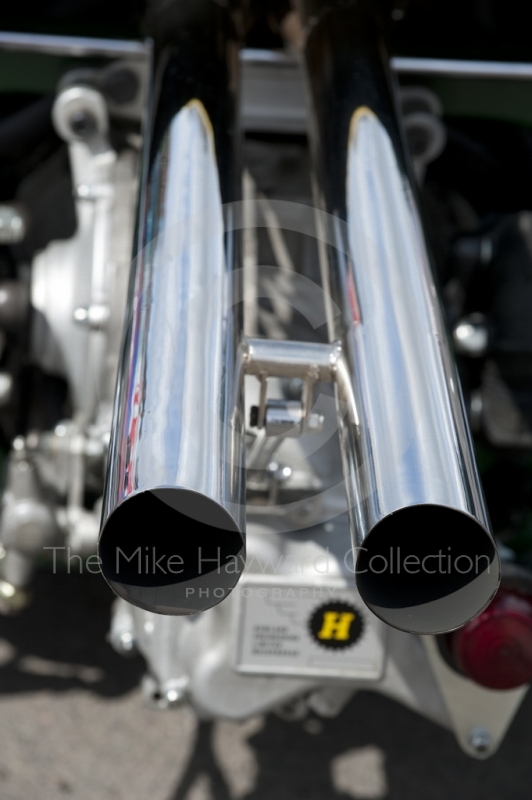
(172, 538)
(426, 561)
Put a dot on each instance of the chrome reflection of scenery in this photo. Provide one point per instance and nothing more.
(409, 464)
(175, 486)
(176, 481)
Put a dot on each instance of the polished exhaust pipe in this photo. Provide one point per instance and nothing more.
(172, 537)
(426, 561)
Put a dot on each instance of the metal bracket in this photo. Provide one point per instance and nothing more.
(310, 361)
(479, 717)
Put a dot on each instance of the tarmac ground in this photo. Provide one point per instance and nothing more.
(74, 725)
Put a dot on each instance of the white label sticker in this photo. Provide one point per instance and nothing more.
(307, 630)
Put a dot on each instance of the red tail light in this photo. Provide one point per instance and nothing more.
(495, 649)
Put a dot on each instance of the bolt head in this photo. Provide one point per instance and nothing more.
(173, 697)
(12, 600)
(83, 124)
(480, 741)
(125, 644)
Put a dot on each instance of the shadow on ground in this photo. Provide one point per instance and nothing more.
(67, 624)
(420, 760)
(59, 641)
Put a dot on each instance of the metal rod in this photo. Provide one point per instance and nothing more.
(450, 67)
(73, 45)
(289, 359)
(460, 68)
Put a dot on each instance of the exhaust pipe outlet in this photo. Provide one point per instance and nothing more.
(172, 537)
(426, 561)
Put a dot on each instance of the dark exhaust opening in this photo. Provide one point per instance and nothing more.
(171, 551)
(427, 569)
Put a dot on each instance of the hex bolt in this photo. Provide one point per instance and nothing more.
(480, 741)
(80, 114)
(83, 124)
(12, 599)
(13, 225)
(173, 696)
(124, 643)
(127, 644)
(166, 696)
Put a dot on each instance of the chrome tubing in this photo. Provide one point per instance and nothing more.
(172, 538)
(425, 559)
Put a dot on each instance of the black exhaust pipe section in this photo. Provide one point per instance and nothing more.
(172, 538)
(426, 561)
